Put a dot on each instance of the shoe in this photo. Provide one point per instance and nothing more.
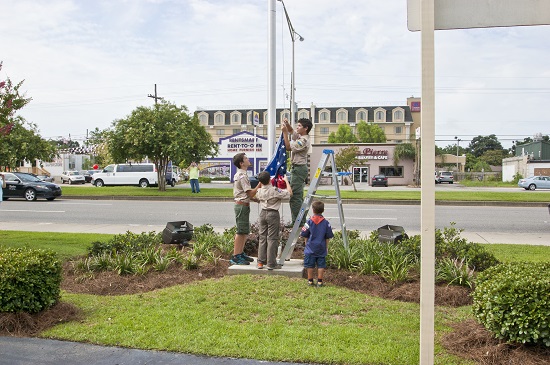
(274, 267)
(259, 265)
(246, 257)
(238, 260)
(320, 284)
(310, 283)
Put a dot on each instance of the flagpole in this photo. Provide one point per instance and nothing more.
(255, 160)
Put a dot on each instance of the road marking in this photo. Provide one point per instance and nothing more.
(33, 211)
(346, 218)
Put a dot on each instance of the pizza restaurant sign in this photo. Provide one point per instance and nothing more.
(243, 142)
(372, 154)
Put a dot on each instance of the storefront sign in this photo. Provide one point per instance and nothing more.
(372, 154)
(243, 142)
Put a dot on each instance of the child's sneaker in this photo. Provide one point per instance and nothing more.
(238, 260)
(274, 267)
(246, 257)
(320, 284)
(310, 283)
(259, 265)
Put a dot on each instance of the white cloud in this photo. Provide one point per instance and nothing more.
(87, 63)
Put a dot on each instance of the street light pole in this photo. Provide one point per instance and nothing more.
(293, 35)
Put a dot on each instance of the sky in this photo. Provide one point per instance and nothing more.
(88, 63)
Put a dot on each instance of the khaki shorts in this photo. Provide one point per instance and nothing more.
(242, 218)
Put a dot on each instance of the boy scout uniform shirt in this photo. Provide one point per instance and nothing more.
(271, 197)
(299, 146)
(240, 186)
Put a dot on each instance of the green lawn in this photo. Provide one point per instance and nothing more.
(378, 194)
(265, 318)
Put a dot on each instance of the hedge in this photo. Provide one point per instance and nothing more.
(513, 302)
(30, 279)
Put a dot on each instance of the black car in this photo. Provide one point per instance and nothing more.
(22, 185)
(379, 180)
(88, 175)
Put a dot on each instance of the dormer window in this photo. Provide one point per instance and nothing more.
(361, 115)
(398, 115)
(380, 116)
(235, 118)
(219, 118)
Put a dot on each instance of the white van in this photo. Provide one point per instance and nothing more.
(142, 174)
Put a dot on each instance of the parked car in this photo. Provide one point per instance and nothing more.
(445, 176)
(88, 175)
(72, 177)
(45, 178)
(379, 180)
(535, 182)
(23, 185)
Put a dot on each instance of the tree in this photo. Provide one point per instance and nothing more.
(161, 133)
(19, 139)
(370, 133)
(480, 144)
(345, 159)
(493, 157)
(344, 134)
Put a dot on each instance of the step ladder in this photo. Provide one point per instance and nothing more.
(328, 156)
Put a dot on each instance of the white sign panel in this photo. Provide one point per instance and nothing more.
(464, 14)
(243, 142)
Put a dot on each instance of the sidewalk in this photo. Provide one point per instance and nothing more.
(32, 351)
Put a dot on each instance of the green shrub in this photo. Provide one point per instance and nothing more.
(30, 279)
(513, 302)
(127, 243)
(454, 271)
(204, 179)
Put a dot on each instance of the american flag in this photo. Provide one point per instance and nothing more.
(277, 165)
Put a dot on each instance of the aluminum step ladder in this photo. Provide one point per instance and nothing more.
(328, 156)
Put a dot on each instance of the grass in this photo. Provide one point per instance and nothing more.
(216, 317)
(66, 245)
(275, 317)
(375, 194)
(511, 252)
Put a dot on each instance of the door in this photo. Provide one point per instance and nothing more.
(361, 174)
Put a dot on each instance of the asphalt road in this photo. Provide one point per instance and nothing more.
(493, 224)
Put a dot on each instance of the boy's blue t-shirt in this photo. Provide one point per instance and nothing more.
(317, 230)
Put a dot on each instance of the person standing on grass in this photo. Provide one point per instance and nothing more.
(298, 143)
(318, 232)
(270, 199)
(242, 193)
(2, 186)
(194, 177)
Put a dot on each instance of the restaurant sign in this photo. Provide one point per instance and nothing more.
(372, 154)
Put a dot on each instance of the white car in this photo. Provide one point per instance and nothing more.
(535, 182)
(72, 177)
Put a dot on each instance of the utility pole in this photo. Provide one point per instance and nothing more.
(155, 96)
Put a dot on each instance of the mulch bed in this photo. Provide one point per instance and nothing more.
(468, 340)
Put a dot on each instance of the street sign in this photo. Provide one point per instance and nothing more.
(256, 118)
(464, 14)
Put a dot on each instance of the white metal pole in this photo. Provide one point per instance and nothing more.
(427, 270)
(272, 73)
(255, 160)
(292, 90)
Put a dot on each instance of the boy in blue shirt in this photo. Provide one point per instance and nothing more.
(318, 232)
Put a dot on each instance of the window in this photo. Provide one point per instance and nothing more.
(236, 130)
(220, 132)
(398, 116)
(203, 118)
(380, 116)
(392, 171)
(342, 116)
(235, 118)
(361, 115)
(285, 114)
(325, 130)
(219, 119)
(303, 115)
(398, 130)
(324, 117)
(265, 118)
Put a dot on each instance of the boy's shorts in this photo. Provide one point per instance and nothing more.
(310, 262)
(242, 218)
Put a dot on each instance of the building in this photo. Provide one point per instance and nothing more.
(531, 159)
(398, 122)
